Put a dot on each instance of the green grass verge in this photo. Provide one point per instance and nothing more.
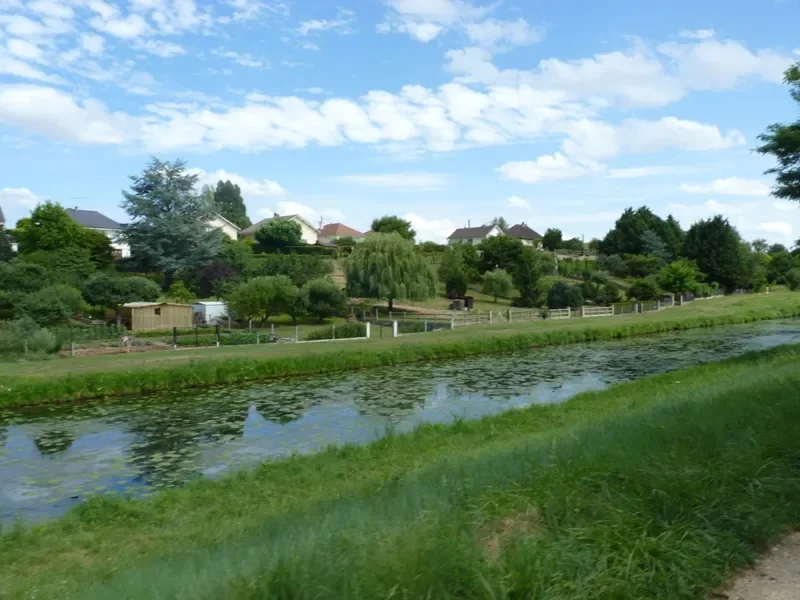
(95, 377)
(653, 489)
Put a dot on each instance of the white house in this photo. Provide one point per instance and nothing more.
(473, 235)
(309, 234)
(216, 221)
(333, 231)
(91, 219)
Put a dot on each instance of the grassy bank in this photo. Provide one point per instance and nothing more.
(101, 376)
(652, 489)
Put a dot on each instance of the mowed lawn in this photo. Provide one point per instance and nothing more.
(759, 306)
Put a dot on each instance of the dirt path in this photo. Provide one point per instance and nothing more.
(774, 577)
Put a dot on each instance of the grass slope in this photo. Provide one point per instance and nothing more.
(656, 489)
(101, 376)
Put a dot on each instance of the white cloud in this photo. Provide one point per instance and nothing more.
(160, 48)
(785, 206)
(251, 188)
(244, 59)
(24, 49)
(712, 64)
(425, 20)
(697, 34)
(19, 197)
(312, 90)
(517, 202)
(638, 76)
(93, 43)
(435, 230)
(51, 8)
(500, 35)
(778, 227)
(554, 166)
(125, 28)
(342, 24)
(732, 186)
(400, 181)
(18, 68)
(52, 113)
(636, 172)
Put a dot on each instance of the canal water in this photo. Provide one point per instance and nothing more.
(54, 457)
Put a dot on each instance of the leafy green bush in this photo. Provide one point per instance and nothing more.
(24, 334)
(643, 289)
(43, 308)
(498, 283)
(323, 298)
(793, 279)
(563, 295)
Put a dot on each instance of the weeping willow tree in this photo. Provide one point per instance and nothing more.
(386, 267)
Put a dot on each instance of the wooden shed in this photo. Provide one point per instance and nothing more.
(144, 316)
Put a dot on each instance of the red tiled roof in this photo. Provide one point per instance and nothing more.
(340, 229)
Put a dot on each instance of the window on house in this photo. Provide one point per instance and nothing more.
(158, 311)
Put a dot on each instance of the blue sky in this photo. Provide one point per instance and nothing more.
(559, 114)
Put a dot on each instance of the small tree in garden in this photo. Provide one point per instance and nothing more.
(643, 289)
(110, 291)
(393, 224)
(278, 234)
(252, 300)
(564, 295)
(497, 283)
(452, 272)
(793, 279)
(43, 308)
(679, 276)
(178, 292)
(263, 297)
(388, 267)
(552, 239)
(529, 270)
(324, 298)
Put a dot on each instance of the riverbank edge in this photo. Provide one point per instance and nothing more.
(33, 391)
(114, 521)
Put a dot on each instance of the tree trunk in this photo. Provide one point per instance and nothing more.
(391, 304)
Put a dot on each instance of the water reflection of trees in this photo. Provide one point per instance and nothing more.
(53, 441)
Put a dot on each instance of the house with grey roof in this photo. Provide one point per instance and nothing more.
(525, 234)
(473, 235)
(91, 219)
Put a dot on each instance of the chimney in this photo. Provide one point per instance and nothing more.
(469, 224)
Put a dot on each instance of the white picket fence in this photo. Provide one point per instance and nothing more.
(597, 311)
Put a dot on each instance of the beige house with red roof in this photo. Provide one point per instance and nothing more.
(333, 231)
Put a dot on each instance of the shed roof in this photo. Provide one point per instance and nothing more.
(522, 232)
(471, 232)
(146, 304)
(210, 303)
(92, 219)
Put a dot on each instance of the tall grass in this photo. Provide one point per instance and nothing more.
(28, 390)
(702, 459)
(661, 502)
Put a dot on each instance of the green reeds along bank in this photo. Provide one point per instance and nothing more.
(97, 377)
(653, 489)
